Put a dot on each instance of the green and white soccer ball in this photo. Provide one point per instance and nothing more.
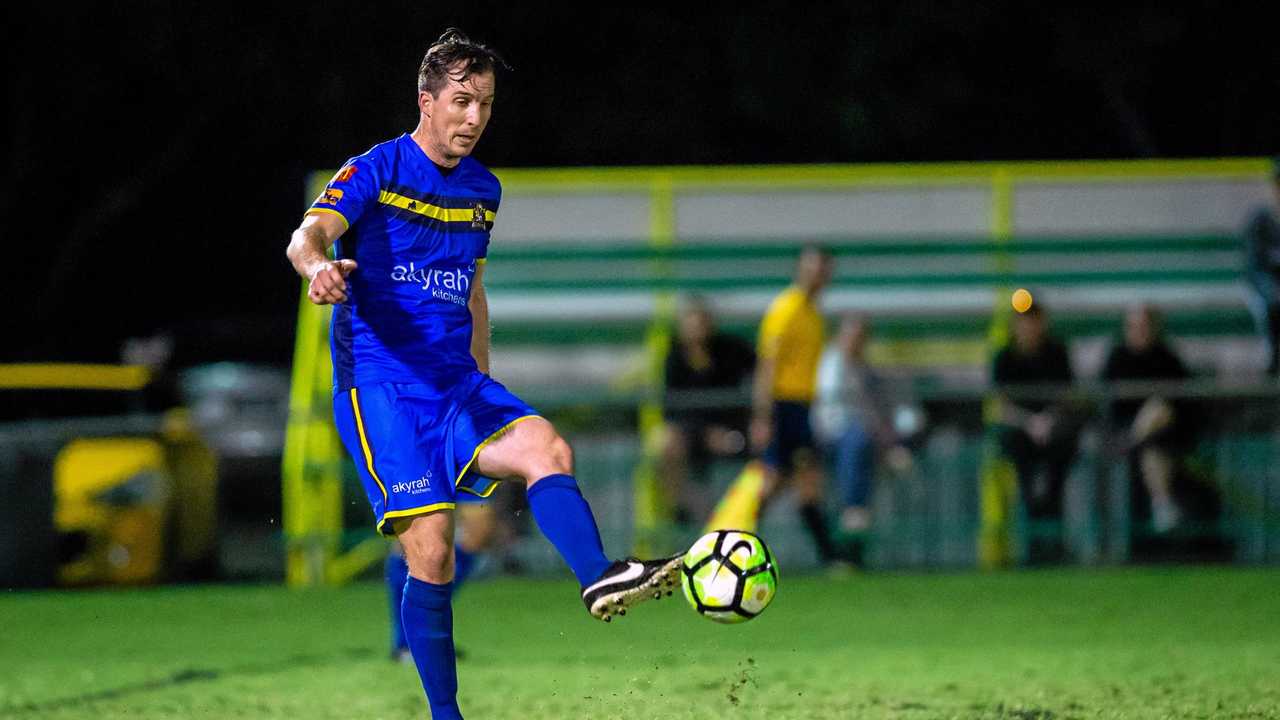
(729, 576)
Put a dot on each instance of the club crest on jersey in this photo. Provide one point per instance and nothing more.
(477, 217)
(330, 196)
(345, 174)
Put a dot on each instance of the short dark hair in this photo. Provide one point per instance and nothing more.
(694, 303)
(454, 48)
(1035, 311)
(816, 248)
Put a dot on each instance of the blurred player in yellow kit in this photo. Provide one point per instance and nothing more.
(790, 344)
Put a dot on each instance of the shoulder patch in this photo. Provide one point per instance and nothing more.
(345, 174)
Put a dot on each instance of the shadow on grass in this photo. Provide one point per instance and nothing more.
(190, 676)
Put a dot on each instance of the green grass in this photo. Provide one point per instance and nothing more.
(1193, 643)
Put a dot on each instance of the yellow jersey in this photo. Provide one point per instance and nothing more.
(792, 336)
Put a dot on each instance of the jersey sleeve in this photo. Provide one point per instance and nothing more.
(351, 191)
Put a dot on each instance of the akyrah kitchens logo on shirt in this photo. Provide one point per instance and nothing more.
(447, 284)
(413, 487)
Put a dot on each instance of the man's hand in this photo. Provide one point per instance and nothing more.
(1155, 415)
(761, 432)
(329, 282)
(1040, 428)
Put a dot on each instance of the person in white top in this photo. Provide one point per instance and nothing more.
(852, 420)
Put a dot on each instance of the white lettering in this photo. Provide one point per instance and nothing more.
(451, 285)
(413, 487)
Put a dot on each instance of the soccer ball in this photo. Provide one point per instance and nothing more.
(729, 576)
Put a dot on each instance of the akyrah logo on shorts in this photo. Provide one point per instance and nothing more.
(413, 487)
(447, 284)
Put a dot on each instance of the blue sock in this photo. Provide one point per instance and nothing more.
(565, 518)
(464, 561)
(428, 625)
(396, 571)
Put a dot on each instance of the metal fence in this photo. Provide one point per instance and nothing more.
(932, 515)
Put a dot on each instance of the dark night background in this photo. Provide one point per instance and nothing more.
(156, 152)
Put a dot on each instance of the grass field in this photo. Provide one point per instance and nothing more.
(1193, 643)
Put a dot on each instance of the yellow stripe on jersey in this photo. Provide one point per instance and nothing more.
(328, 211)
(792, 335)
(435, 212)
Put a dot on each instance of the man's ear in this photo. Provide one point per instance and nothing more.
(424, 102)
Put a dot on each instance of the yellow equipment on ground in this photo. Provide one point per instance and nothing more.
(111, 500)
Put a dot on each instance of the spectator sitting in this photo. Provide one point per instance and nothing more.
(701, 359)
(1037, 434)
(1262, 250)
(851, 417)
(1158, 430)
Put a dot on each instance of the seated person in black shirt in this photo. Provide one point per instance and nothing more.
(1159, 432)
(701, 359)
(1037, 434)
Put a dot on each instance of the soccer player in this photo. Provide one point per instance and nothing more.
(790, 344)
(409, 222)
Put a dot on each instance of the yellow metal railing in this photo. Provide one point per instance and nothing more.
(73, 376)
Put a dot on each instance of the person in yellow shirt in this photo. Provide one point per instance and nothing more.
(790, 343)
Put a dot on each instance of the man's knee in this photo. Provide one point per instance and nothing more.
(560, 455)
(428, 548)
(430, 560)
(548, 453)
(555, 457)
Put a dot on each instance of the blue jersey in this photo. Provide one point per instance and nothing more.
(417, 238)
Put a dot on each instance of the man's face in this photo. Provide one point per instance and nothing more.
(853, 335)
(1139, 330)
(456, 117)
(814, 270)
(695, 327)
(1029, 331)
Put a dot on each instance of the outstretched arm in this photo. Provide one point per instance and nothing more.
(308, 251)
(761, 429)
(479, 306)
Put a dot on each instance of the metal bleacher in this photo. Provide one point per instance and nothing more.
(590, 257)
(586, 267)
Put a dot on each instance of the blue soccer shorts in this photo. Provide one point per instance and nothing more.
(792, 441)
(415, 446)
